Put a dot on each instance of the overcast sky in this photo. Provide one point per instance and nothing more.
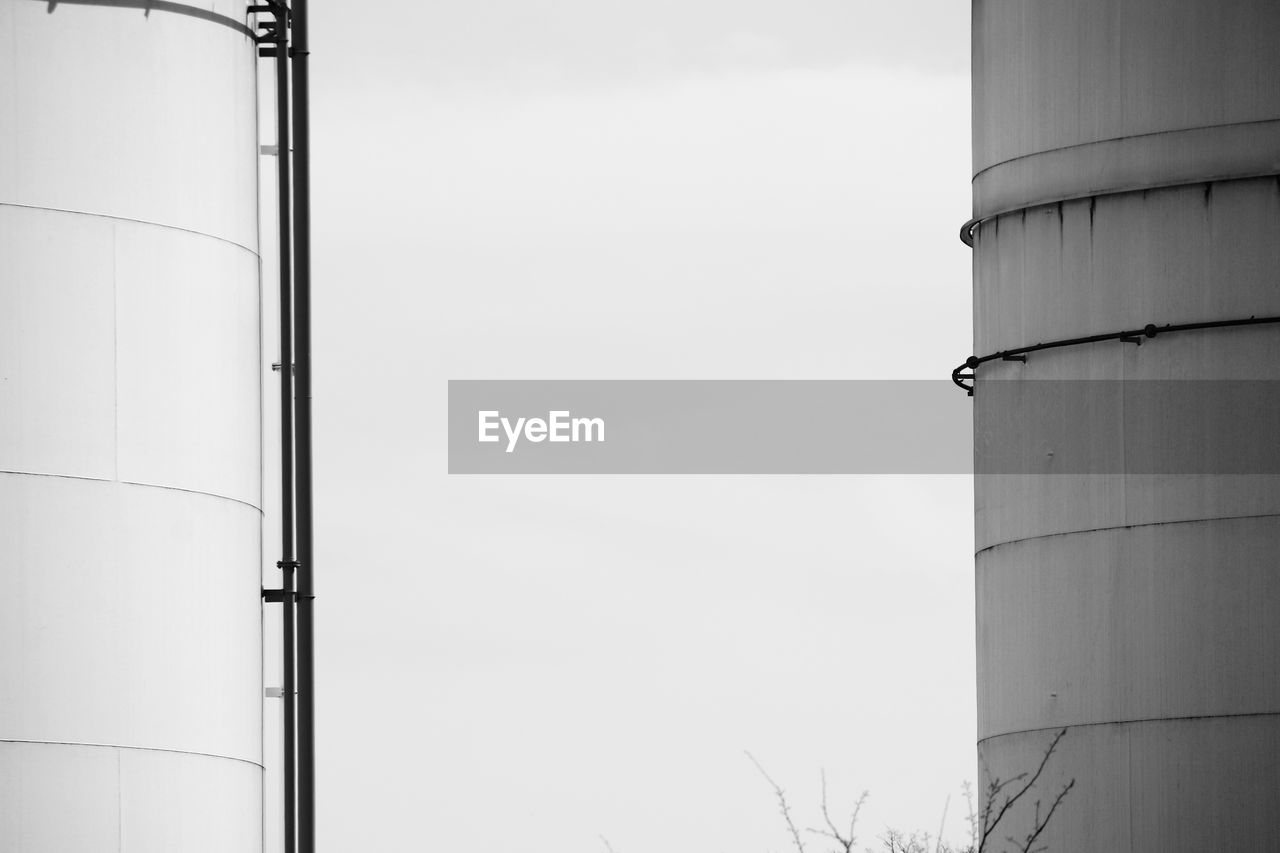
(697, 189)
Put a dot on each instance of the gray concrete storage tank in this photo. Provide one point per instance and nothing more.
(130, 429)
(1125, 162)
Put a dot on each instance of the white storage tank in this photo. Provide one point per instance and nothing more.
(130, 429)
(1125, 160)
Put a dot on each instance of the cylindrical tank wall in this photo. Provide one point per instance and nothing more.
(1125, 173)
(130, 430)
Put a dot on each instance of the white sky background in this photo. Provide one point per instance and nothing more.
(697, 189)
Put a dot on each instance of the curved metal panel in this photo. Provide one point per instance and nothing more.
(117, 112)
(129, 616)
(1150, 161)
(153, 373)
(57, 402)
(187, 360)
(1084, 267)
(1150, 787)
(1151, 621)
(1047, 76)
(64, 797)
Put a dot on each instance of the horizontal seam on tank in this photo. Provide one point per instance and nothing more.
(967, 230)
(229, 242)
(1131, 722)
(256, 509)
(1125, 527)
(141, 748)
(986, 169)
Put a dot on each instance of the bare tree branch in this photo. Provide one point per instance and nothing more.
(1001, 797)
(1040, 825)
(846, 842)
(972, 816)
(942, 825)
(995, 787)
(782, 804)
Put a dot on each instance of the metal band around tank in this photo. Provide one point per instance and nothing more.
(1126, 164)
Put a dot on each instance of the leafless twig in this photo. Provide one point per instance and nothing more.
(846, 842)
(992, 813)
(1001, 795)
(1038, 826)
(972, 816)
(942, 825)
(782, 804)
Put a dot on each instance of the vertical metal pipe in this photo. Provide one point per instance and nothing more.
(302, 342)
(286, 428)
